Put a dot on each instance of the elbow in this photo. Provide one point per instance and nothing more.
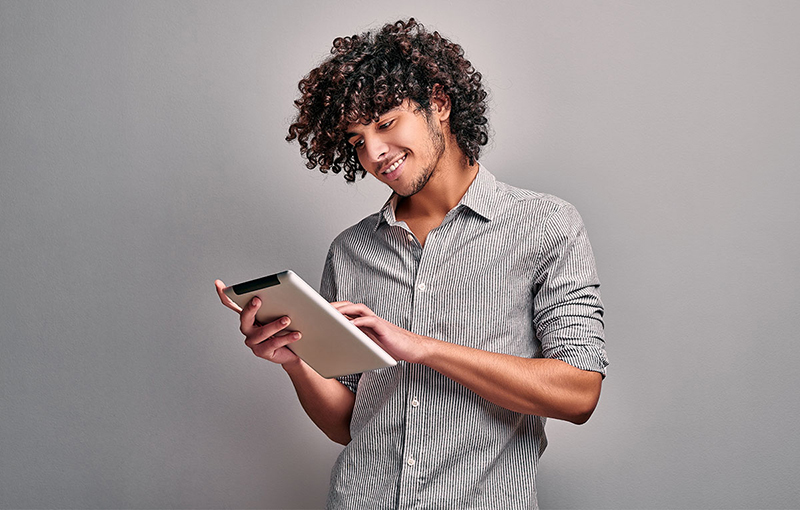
(581, 417)
(342, 437)
(576, 409)
(584, 402)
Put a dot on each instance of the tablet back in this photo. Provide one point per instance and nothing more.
(330, 344)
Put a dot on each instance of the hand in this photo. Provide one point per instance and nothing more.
(224, 298)
(267, 341)
(401, 344)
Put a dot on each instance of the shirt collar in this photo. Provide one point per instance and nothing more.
(387, 211)
(479, 198)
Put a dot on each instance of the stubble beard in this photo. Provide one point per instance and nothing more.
(436, 150)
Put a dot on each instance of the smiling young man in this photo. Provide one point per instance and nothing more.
(487, 294)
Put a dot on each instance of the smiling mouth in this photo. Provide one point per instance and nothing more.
(394, 165)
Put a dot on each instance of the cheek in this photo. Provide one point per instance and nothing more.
(370, 168)
(407, 137)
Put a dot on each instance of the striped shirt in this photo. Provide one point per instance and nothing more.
(508, 271)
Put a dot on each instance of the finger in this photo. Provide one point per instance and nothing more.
(372, 323)
(378, 330)
(247, 318)
(259, 334)
(340, 303)
(225, 299)
(268, 349)
(353, 309)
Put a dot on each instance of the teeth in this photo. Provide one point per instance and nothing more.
(395, 165)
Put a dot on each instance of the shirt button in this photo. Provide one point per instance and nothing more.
(415, 402)
(410, 238)
(422, 286)
(411, 461)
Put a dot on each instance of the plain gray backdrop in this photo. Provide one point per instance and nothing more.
(142, 155)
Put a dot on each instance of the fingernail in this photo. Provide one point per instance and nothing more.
(285, 321)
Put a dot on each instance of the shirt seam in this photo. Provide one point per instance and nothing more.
(545, 227)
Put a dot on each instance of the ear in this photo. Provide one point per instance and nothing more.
(440, 103)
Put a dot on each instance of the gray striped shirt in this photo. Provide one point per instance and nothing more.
(508, 271)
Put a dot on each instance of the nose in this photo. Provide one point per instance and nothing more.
(375, 148)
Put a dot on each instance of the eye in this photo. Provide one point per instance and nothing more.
(386, 124)
(357, 143)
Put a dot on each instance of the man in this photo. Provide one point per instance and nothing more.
(487, 294)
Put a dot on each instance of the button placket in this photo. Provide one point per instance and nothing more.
(416, 433)
(414, 441)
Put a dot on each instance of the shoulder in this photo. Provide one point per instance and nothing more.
(533, 206)
(358, 234)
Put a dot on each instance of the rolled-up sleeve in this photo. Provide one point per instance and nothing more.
(568, 311)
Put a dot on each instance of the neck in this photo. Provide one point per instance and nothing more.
(448, 184)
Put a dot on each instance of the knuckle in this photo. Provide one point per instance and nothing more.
(265, 353)
(252, 340)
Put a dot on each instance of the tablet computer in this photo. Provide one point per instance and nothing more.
(330, 344)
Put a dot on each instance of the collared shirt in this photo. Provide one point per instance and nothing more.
(507, 271)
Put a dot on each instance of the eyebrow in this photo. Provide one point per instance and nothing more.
(348, 135)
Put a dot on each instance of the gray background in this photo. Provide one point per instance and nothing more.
(142, 156)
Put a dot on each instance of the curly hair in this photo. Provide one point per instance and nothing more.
(372, 73)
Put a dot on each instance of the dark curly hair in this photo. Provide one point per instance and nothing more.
(372, 73)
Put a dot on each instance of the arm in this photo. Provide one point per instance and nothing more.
(327, 402)
(545, 387)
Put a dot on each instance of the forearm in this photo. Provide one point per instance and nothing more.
(544, 387)
(327, 402)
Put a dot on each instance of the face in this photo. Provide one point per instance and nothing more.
(401, 149)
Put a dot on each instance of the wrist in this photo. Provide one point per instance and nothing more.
(425, 350)
(293, 366)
